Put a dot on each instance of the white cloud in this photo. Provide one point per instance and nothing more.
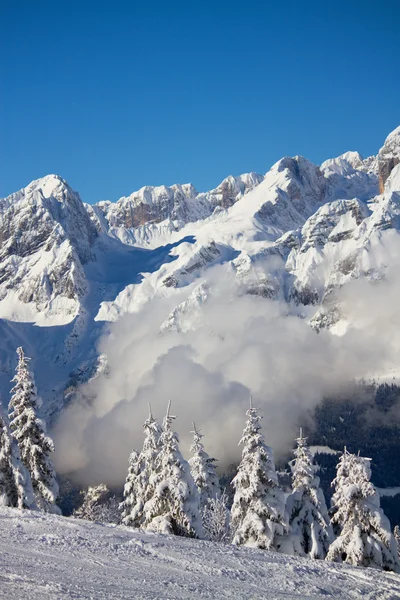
(243, 345)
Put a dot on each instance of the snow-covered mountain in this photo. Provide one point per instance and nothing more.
(269, 221)
(133, 220)
(297, 234)
(46, 238)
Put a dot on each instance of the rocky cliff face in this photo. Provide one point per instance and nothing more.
(133, 219)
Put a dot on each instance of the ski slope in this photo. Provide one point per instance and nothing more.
(45, 556)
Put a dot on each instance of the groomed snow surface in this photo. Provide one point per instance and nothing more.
(49, 557)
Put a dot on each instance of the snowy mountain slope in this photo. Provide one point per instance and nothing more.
(152, 212)
(342, 240)
(57, 557)
(356, 247)
(289, 194)
(66, 355)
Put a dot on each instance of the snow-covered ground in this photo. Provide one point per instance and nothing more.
(45, 556)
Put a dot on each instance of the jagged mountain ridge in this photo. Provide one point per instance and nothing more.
(131, 219)
(297, 234)
(265, 223)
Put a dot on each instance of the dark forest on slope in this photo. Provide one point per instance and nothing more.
(366, 419)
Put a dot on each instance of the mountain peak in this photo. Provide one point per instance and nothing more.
(388, 156)
(293, 164)
(345, 163)
(48, 184)
(394, 136)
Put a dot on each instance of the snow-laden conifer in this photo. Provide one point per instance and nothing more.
(203, 470)
(15, 483)
(396, 533)
(99, 504)
(131, 496)
(365, 537)
(110, 511)
(175, 503)
(258, 512)
(138, 488)
(30, 433)
(216, 519)
(310, 528)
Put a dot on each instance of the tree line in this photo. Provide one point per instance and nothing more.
(164, 493)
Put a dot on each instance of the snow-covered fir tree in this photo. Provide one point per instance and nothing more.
(310, 529)
(216, 519)
(99, 504)
(30, 433)
(92, 498)
(203, 469)
(15, 482)
(131, 497)
(138, 488)
(175, 503)
(110, 511)
(365, 537)
(396, 533)
(258, 512)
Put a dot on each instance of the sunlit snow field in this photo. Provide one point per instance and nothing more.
(45, 556)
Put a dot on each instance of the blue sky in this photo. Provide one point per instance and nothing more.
(116, 95)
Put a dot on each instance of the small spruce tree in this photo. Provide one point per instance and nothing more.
(129, 505)
(99, 504)
(142, 466)
(396, 533)
(175, 503)
(310, 529)
(30, 433)
(216, 519)
(203, 470)
(15, 482)
(365, 537)
(110, 511)
(258, 512)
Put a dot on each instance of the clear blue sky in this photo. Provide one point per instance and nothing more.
(116, 95)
